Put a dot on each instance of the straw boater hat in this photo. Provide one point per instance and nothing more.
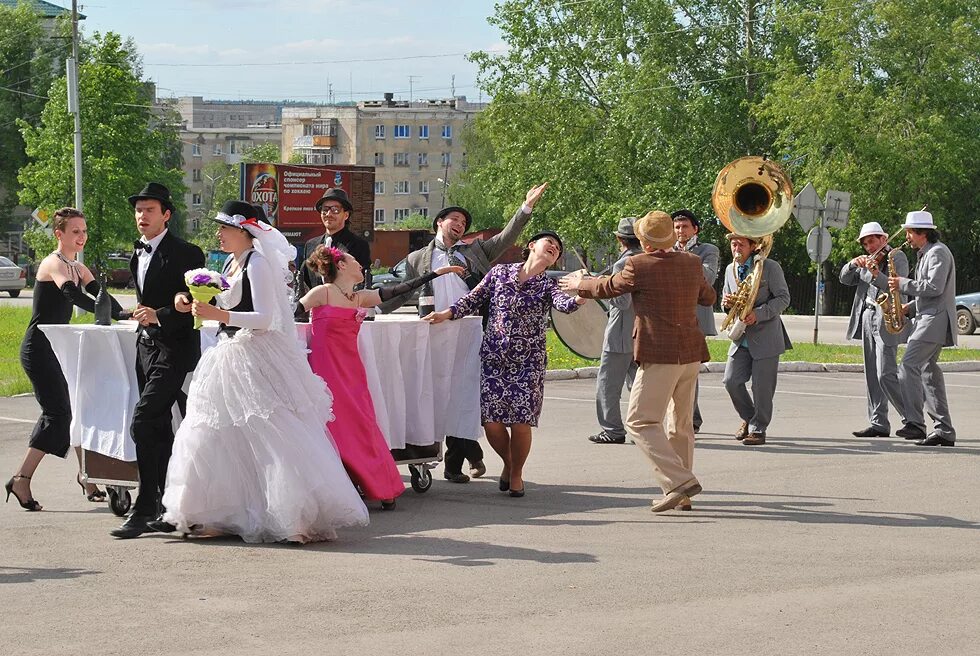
(656, 229)
(871, 228)
(919, 220)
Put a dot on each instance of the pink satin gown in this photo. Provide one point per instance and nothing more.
(362, 447)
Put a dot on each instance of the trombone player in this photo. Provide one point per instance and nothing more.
(867, 323)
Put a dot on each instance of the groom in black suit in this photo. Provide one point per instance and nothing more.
(167, 349)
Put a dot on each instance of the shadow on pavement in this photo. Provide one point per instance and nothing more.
(31, 574)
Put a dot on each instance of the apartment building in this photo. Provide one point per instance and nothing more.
(416, 147)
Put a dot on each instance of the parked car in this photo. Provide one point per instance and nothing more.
(12, 277)
(394, 274)
(967, 313)
(117, 271)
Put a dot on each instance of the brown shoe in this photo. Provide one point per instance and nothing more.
(477, 469)
(674, 499)
(754, 439)
(685, 505)
(742, 432)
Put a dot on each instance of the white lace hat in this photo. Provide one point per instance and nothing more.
(919, 219)
(871, 228)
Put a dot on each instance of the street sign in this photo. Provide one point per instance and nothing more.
(838, 208)
(818, 244)
(41, 216)
(807, 207)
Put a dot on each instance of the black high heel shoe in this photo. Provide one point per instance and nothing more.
(504, 484)
(94, 497)
(30, 505)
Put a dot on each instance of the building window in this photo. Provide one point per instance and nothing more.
(423, 159)
(423, 132)
(196, 150)
(379, 216)
(317, 157)
(403, 131)
(232, 147)
(379, 159)
(196, 200)
(401, 159)
(423, 186)
(379, 132)
(424, 211)
(401, 187)
(447, 159)
(447, 132)
(379, 187)
(216, 150)
(196, 175)
(322, 128)
(402, 214)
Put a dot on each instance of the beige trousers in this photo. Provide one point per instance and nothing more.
(660, 420)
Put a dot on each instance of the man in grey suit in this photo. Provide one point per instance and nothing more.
(933, 313)
(616, 364)
(687, 227)
(880, 347)
(755, 356)
(450, 224)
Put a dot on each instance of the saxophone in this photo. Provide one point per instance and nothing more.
(890, 302)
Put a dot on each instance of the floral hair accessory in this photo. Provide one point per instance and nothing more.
(335, 254)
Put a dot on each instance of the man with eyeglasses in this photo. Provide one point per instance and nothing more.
(335, 209)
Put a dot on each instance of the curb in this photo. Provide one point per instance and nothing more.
(790, 366)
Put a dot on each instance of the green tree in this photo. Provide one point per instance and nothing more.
(27, 61)
(123, 145)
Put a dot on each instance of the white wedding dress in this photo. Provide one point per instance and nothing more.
(253, 456)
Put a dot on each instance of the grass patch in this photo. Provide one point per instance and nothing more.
(13, 325)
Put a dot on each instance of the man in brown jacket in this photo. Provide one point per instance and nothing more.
(669, 347)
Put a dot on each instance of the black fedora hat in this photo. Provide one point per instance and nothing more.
(686, 214)
(337, 194)
(548, 233)
(233, 208)
(154, 191)
(444, 212)
(260, 213)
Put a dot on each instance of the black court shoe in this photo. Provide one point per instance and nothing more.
(94, 497)
(31, 505)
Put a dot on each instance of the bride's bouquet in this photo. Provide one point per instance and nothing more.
(204, 285)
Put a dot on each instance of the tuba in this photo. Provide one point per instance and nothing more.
(752, 197)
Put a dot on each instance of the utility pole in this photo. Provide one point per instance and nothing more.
(411, 87)
(72, 78)
(749, 76)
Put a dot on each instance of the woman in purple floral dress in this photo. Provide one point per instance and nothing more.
(513, 353)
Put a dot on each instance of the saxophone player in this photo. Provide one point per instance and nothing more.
(933, 313)
(755, 355)
(880, 346)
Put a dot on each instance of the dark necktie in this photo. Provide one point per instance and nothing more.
(743, 270)
(139, 245)
(454, 259)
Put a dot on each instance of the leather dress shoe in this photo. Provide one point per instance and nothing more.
(754, 439)
(742, 432)
(161, 526)
(910, 432)
(456, 478)
(935, 440)
(871, 431)
(133, 527)
(675, 498)
(477, 469)
(602, 437)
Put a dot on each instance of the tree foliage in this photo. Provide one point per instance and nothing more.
(630, 105)
(123, 145)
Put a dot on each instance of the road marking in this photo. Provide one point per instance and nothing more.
(19, 421)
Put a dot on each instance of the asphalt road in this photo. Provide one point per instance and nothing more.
(817, 543)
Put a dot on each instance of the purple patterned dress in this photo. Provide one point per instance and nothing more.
(513, 353)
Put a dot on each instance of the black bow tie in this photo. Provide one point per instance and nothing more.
(142, 245)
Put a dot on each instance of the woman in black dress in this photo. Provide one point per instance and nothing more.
(60, 281)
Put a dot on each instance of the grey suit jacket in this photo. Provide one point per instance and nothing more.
(767, 337)
(933, 308)
(618, 337)
(479, 255)
(710, 259)
(858, 276)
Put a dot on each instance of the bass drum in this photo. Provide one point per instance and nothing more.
(582, 331)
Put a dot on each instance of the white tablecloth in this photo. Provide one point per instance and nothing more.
(424, 379)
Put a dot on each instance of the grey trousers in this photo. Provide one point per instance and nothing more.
(757, 408)
(615, 369)
(880, 374)
(922, 381)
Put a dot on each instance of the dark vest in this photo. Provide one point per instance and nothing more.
(245, 304)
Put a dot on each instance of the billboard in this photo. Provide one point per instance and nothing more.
(288, 193)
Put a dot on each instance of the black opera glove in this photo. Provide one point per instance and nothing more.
(390, 291)
(71, 291)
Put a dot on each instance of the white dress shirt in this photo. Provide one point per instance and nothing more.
(449, 288)
(143, 258)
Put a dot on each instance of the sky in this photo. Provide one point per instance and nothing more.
(311, 41)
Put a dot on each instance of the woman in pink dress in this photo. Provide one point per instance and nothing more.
(336, 313)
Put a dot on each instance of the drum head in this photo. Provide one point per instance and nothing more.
(582, 331)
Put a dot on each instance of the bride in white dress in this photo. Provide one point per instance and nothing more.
(252, 457)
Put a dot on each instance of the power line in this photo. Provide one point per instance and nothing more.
(23, 93)
(321, 62)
